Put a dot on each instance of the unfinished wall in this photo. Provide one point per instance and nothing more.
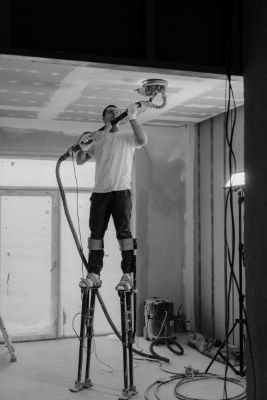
(163, 215)
(212, 172)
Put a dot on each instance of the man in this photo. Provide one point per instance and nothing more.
(113, 151)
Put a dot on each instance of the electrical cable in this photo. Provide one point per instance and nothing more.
(66, 210)
(230, 254)
(160, 365)
(202, 377)
(229, 120)
(76, 333)
(184, 378)
(77, 206)
(229, 203)
(72, 323)
(111, 370)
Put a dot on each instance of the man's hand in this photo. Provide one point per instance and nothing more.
(132, 111)
(86, 140)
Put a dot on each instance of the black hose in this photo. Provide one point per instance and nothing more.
(170, 345)
(169, 342)
(80, 251)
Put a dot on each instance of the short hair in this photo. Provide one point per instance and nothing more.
(106, 108)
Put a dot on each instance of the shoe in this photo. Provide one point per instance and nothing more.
(92, 280)
(125, 283)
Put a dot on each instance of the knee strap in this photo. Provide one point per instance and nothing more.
(95, 244)
(128, 244)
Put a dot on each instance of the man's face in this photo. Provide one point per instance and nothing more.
(111, 113)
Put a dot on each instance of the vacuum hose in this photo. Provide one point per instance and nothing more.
(80, 251)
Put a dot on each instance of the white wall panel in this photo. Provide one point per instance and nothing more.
(26, 264)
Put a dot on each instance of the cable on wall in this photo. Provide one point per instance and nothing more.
(230, 122)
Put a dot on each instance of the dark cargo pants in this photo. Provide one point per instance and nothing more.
(117, 204)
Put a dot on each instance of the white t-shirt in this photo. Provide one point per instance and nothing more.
(113, 153)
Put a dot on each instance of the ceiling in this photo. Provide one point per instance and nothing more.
(69, 96)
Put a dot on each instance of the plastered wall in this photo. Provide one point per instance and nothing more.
(163, 215)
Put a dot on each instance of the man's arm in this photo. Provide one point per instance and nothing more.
(139, 134)
(85, 143)
(81, 157)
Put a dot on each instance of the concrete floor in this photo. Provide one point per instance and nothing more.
(45, 370)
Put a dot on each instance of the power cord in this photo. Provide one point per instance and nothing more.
(230, 252)
(111, 370)
(190, 375)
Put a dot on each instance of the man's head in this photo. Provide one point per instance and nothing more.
(110, 113)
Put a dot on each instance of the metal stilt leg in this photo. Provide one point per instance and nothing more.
(127, 340)
(130, 338)
(124, 342)
(86, 330)
(90, 334)
(128, 327)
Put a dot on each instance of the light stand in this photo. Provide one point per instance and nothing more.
(241, 321)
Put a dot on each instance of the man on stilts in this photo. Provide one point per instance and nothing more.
(113, 151)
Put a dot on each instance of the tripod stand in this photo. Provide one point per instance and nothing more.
(241, 321)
